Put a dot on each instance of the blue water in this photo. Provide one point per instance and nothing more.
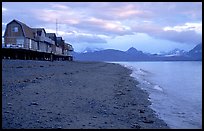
(175, 90)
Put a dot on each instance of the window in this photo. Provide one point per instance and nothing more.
(20, 42)
(15, 29)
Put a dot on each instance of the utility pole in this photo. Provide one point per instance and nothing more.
(56, 27)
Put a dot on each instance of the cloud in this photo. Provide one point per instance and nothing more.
(81, 21)
(197, 27)
(4, 9)
(181, 34)
(62, 13)
(59, 6)
(120, 11)
(182, 37)
(77, 37)
(3, 27)
(100, 22)
(106, 27)
(4, 24)
(86, 39)
(115, 18)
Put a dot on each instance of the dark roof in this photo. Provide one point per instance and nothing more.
(30, 33)
(59, 39)
(51, 35)
(39, 31)
(27, 31)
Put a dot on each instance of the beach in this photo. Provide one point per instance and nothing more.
(73, 95)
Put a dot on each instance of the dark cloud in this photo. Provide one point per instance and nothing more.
(190, 37)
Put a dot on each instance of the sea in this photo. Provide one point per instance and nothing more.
(175, 90)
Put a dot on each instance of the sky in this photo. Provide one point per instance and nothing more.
(151, 27)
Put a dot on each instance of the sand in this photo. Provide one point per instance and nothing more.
(73, 95)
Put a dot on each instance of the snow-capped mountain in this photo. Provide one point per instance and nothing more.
(132, 54)
(175, 52)
(87, 49)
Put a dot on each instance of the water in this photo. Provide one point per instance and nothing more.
(175, 90)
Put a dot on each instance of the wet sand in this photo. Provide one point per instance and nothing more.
(73, 95)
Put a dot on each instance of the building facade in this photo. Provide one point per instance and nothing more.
(19, 35)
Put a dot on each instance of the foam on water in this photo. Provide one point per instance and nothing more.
(158, 88)
(175, 90)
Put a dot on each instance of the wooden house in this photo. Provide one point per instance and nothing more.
(53, 37)
(44, 42)
(68, 49)
(19, 35)
(60, 44)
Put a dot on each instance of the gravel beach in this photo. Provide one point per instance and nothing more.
(73, 95)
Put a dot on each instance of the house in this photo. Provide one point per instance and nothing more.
(68, 49)
(53, 37)
(19, 35)
(45, 44)
(60, 43)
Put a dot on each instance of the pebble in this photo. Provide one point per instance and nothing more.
(147, 121)
(120, 93)
(9, 103)
(38, 121)
(34, 103)
(116, 107)
(33, 81)
(133, 104)
(38, 78)
(141, 111)
(19, 67)
(128, 89)
(135, 126)
(59, 127)
(7, 112)
(26, 80)
(94, 116)
(114, 113)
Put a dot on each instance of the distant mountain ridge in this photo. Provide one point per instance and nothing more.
(91, 50)
(196, 52)
(175, 52)
(133, 54)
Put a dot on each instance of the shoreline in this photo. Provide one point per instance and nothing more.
(73, 95)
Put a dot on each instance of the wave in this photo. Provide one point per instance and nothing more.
(157, 87)
(141, 76)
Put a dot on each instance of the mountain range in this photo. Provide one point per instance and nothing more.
(133, 54)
